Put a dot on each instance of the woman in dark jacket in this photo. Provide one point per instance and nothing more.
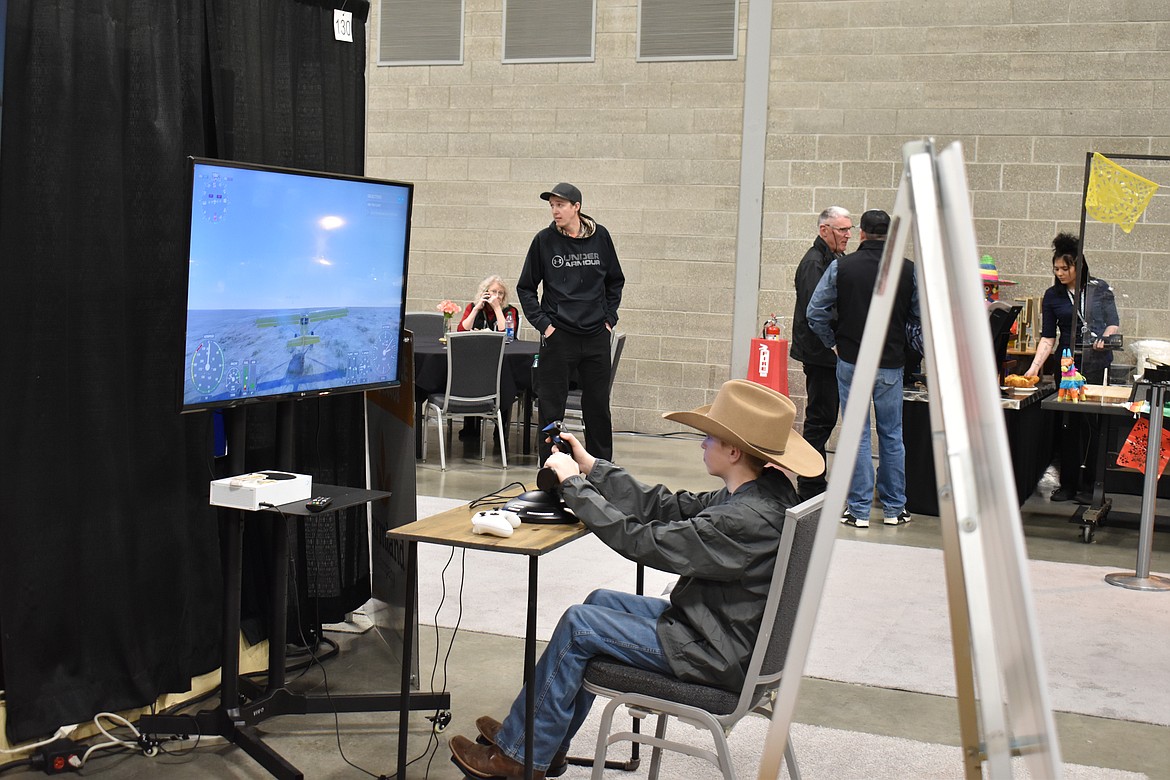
(1097, 313)
(1078, 438)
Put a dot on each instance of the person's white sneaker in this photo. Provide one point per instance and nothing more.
(901, 518)
(857, 522)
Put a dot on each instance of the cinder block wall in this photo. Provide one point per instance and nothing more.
(1027, 87)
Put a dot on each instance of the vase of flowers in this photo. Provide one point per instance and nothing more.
(447, 309)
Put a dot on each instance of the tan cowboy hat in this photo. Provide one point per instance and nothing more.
(758, 420)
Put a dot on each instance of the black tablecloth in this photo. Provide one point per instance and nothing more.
(1029, 433)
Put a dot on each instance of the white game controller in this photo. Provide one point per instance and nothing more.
(496, 522)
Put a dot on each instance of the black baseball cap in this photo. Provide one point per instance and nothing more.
(563, 190)
(875, 222)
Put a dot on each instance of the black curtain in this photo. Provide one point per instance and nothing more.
(284, 92)
(109, 570)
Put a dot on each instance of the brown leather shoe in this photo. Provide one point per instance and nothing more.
(488, 727)
(486, 761)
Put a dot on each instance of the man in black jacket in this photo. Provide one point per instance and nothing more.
(847, 289)
(834, 226)
(575, 261)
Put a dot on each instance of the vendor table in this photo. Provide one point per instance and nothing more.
(1111, 415)
(1029, 438)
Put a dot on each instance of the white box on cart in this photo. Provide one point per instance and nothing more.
(249, 491)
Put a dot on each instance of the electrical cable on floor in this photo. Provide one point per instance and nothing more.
(113, 741)
(20, 762)
(184, 752)
(450, 644)
(60, 733)
(291, 569)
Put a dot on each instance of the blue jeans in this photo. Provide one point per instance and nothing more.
(891, 472)
(620, 625)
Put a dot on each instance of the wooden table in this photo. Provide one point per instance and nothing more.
(453, 528)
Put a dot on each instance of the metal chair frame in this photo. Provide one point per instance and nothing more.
(646, 693)
(425, 325)
(474, 362)
(573, 418)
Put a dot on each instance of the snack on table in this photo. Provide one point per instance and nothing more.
(1015, 380)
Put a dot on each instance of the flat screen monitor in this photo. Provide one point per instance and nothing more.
(296, 283)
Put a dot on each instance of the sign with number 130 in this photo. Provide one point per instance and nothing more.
(343, 25)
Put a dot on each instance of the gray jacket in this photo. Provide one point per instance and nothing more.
(722, 545)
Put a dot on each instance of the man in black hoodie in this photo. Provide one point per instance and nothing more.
(575, 261)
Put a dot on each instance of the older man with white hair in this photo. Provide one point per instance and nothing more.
(834, 227)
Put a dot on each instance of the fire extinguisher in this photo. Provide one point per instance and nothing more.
(772, 328)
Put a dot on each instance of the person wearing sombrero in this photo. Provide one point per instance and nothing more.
(721, 543)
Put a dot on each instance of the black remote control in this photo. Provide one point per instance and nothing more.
(318, 504)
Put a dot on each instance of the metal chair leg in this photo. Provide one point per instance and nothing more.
(656, 751)
(501, 432)
(426, 416)
(790, 759)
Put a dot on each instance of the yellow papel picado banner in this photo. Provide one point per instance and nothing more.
(1116, 195)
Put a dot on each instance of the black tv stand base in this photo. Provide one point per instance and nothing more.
(238, 726)
(254, 704)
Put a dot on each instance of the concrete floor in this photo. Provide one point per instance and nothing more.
(483, 672)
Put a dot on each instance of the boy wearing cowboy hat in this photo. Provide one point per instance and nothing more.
(721, 543)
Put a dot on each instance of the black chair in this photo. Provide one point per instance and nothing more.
(573, 418)
(425, 325)
(474, 360)
(705, 707)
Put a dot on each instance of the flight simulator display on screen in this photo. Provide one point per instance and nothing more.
(296, 283)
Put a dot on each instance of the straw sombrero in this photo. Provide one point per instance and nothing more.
(758, 420)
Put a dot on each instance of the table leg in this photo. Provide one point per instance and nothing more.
(407, 651)
(1141, 579)
(528, 401)
(530, 668)
(233, 573)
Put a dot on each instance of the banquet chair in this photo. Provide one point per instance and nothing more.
(425, 325)
(474, 360)
(572, 418)
(705, 707)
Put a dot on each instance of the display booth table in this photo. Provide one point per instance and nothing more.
(1113, 421)
(1029, 433)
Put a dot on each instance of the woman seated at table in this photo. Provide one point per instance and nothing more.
(490, 308)
(1098, 310)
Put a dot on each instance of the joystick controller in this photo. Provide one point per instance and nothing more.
(553, 429)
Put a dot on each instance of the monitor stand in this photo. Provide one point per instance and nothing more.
(239, 711)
